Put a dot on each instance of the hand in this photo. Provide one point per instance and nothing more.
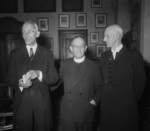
(25, 84)
(93, 102)
(33, 74)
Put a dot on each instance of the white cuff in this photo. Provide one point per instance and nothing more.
(40, 76)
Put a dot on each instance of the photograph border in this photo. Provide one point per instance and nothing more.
(99, 49)
(96, 5)
(44, 26)
(104, 22)
(64, 24)
(84, 23)
(96, 40)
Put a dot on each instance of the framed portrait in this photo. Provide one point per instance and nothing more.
(72, 5)
(81, 20)
(8, 6)
(64, 21)
(100, 20)
(39, 6)
(46, 42)
(43, 23)
(100, 48)
(94, 37)
(96, 3)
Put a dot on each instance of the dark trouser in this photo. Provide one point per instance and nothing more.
(31, 116)
(75, 126)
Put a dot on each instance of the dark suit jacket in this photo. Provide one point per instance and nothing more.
(124, 82)
(82, 83)
(20, 64)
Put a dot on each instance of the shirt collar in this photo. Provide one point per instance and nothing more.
(34, 47)
(79, 60)
(118, 48)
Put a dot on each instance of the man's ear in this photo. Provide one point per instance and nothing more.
(37, 34)
(85, 47)
(71, 49)
(37, 31)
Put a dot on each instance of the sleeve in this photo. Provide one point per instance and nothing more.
(51, 76)
(98, 84)
(139, 74)
(11, 74)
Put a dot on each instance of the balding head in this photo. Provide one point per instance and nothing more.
(112, 36)
(115, 29)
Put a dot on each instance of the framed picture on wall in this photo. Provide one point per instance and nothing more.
(100, 20)
(64, 20)
(94, 37)
(46, 42)
(100, 48)
(81, 20)
(72, 5)
(8, 6)
(43, 23)
(96, 3)
(39, 6)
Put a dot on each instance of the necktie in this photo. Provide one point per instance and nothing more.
(31, 54)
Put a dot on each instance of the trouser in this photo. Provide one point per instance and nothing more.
(75, 126)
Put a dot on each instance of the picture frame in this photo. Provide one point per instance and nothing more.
(94, 37)
(64, 20)
(72, 5)
(100, 48)
(96, 3)
(81, 19)
(100, 20)
(46, 42)
(11, 7)
(31, 6)
(43, 24)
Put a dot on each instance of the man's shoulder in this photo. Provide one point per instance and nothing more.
(66, 61)
(18, 50)
(44, 50)
(92, 62)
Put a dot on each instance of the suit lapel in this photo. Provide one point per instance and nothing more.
(25, 58)
(121, 54)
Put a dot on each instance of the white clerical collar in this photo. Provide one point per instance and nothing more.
(79, 60)
(34, 47)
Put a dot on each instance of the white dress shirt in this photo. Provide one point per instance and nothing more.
(116, 50)
(34, 50)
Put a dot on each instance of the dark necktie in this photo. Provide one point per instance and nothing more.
(31, 54)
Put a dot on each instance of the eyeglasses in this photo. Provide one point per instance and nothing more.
(28, 32)
(78, 47)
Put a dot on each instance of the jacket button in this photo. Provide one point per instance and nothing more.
(80, 93)
(70, 100)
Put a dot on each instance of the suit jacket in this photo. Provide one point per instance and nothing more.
(82, 83)
(124, 82)
(20, 64)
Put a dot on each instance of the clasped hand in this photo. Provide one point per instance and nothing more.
(26, 80)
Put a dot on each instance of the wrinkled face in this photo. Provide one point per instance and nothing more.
(110, 38)
(29, 34)
(78, 48)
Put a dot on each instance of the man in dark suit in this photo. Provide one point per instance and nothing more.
(82, 81)
(30, 73)
(124, 82)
